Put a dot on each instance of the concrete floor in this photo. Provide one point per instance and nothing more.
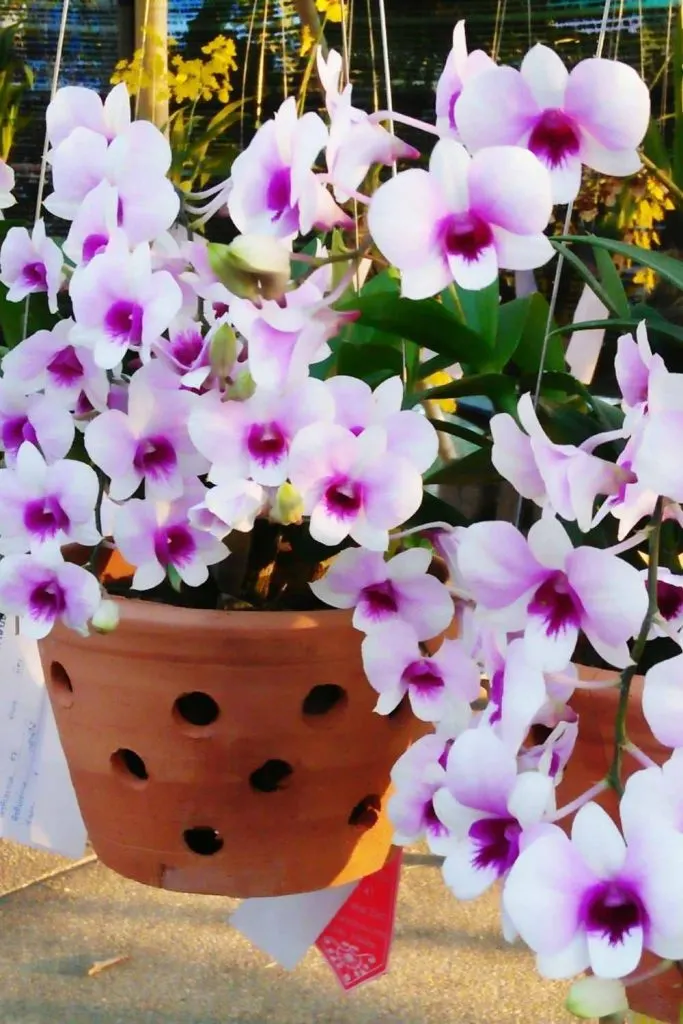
(187, 966)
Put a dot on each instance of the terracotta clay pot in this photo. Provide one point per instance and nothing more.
(230, 753)
(661, 997)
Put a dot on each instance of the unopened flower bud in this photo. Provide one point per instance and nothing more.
(596, 997)
(106, 618)
(288, 505)
(252, 266)
(241, 387)
(223, 351)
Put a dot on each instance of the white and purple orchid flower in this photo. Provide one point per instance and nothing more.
(42, 589)
(435, 684)
(157, 536)
(596, 114)
(274, 189)
(599, 899)
(399, 589)
(46, 505)
(31, 263)
(459, 67)
(464, 219)
(549, 590)
(120, 303)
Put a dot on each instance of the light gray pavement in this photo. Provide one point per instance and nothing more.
(187, 966)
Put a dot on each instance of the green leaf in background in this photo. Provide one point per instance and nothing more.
(475, 468)
(495, 386)
(652, 317)
(677, 57)
(435, 510)
(528, 352)
(370, 362)
(611, 282)
(668, 268)
(464, 433)
(12, 316)
(477, 310)
(426, 323)
(582, 270)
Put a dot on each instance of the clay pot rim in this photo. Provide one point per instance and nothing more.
(154, 615)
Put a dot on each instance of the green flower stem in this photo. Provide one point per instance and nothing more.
(626, 678)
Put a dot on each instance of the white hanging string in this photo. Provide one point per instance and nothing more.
(565, 231)
(143, 57)
(387, 69)
(552, 305)
(42, 177)
(247, 51)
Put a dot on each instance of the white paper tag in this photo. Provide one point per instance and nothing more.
(285, 927)
(38, 805)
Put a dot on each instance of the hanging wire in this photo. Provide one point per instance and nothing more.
(387, 70)
(247, 51)
(552, 305)
(350, 24)
(42, 177)
(617, 39)
(143, 58)
(501, 11)
(667, 59)
(528, 23)
(373, 56)
(641, 39)
(260, 84)
(283, 37)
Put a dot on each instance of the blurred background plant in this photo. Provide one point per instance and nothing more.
(201, 110)
(15, 78)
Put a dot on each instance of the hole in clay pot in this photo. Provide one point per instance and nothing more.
(129, 766)
(323, 699)
(366, 812)
(270, 776)
(196, 708)
(203, 840)
(61, 686)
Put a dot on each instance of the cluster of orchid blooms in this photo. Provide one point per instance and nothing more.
(170, 409)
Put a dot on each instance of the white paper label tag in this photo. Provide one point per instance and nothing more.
(285, 927)
(38, 805)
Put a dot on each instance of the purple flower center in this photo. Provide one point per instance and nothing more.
(17, 430)
(174, 545)
(555, 137)
(279, 192)
(669, 599)
(220, 309)
(83, 405)
(431, 821)
(451, 109)
(612, 909)
(380, 599)
(119, 212)
(466, 235)
(66, 367)
(35, 276)
(423, 675)
(45, 517)
(47, 601)
(496, 694)
(186, 348)
(92, 245)
(497, 843)
(266, 443)
(343, 497)
(356, 431)
(557, 604)
(155, 457)
(124, 322)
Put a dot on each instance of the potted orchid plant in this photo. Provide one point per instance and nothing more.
(243, 435)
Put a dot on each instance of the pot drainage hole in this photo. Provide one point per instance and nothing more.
(197, 708)
(129, 766)
(323, 699)
(270, 776)
(366, 812)
(203, 840)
